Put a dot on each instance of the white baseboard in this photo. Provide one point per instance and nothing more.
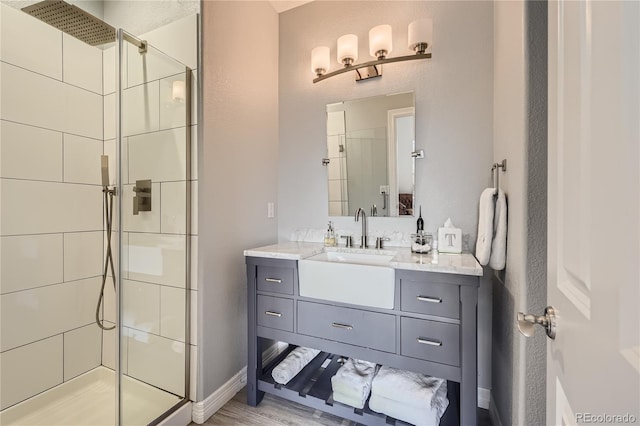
(204, 409)
(493, 414)
(484, 398)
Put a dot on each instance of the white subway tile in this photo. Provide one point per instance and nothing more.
(82, 160)
(28, 152)
(151, 66)
(110, 149)
(178, 40)
(37, 100)
(335, 208)
(140, 109)
(82, 112)
(108, 309)
(157, 258)
(22, 35)
(157, 361)
(83, 256)
(109, 347)
(29, 370)
(81, 350)
(333, 146)
(173, 110)
(30, 261)
(109, 70)
(174, 207)
(172, 306)
(143, 221)
(335, 192)
(159, 156)
(46, 311)
(109, 116)
(141, 306)
(82, 64)
(30, 207)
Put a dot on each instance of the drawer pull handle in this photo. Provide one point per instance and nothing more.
(273, 314)
(429, 299)
(343, 326)
(428, 341)
(273, 280)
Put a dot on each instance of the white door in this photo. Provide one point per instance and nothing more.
(593, 365)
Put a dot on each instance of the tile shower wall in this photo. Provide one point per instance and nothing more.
(154, 131)
(51, 245)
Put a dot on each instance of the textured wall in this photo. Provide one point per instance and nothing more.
(454, 94)
(520, 90)
(238, 169)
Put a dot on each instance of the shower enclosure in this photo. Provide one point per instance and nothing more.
(66, 110)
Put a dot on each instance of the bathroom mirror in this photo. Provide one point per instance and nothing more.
(370, 155)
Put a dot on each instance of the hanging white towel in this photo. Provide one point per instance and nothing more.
(293, 364)
(499, 243)
(485, 226)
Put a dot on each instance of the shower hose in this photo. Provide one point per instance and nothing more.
(108, 261)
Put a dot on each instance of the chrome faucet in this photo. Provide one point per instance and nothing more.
(363, 240)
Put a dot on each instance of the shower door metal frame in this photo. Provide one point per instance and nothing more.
(121, 37)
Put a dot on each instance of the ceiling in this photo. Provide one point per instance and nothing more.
(284, 5)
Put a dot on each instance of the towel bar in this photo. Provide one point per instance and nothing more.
(496, 178)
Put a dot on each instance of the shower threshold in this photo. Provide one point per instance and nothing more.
(89, 400)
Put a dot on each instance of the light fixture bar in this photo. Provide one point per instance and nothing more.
(373, 64)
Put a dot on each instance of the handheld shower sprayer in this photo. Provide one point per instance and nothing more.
(108, 213)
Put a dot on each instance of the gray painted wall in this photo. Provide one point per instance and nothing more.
(454, 116)
(238, 175)
(520, 126)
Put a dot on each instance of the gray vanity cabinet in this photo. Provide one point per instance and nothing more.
(430, 330)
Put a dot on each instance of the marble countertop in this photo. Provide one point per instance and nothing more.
(462, 264)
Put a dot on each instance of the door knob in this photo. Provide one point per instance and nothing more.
(527, 322)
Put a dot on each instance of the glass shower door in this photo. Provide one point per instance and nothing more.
(154, 144)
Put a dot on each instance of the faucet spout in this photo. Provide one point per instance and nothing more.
(364, 239)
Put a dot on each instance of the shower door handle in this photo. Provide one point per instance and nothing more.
(142, 199)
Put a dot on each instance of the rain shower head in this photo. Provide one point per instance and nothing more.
(73, 21)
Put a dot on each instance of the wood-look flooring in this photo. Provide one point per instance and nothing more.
(274, 411)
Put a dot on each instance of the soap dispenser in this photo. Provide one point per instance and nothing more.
(330, 236)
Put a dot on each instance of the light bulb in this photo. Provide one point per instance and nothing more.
(320, 60)
(380, 43)
(348, 49)
(420, 35)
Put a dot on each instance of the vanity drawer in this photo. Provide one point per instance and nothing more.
(430, 340)
(431, 299)
(275, 312)
(354, 326)
(275, 279)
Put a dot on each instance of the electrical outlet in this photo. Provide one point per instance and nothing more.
(271, 210)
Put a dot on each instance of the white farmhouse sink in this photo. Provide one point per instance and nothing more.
(358, 278)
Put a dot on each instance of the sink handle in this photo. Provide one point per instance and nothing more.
(343, 326)
(380, 242)
(349, 240)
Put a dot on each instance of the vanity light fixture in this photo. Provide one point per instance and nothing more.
(380, 45)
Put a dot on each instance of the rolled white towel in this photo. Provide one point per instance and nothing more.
(405, 386)
(423, 415)
(293, 364)
(485, 226)
(349, 399)
(353, 380)
(499, 244)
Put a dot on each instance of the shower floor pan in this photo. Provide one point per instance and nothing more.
(89, 400)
